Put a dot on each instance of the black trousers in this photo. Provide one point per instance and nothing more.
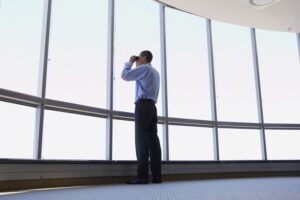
(146, 140)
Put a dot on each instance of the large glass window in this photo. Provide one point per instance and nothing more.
(283, 144)
(136, 29)
(190, 143)
(77, 73)
(16, 131)
(123, 140)
(77, 65)
(72, 136)
(20, 43)
(187, 66)
(234, 73)
(239, 144)
(279, 71)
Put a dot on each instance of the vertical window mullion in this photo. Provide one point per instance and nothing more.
(212, 90)
(298, 40)
(164, 88)
(110, 72)
(258, 94)
(39, 123)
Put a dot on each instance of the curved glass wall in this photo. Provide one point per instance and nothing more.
(227, 92)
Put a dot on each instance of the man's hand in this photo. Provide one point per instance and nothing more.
(133, 59)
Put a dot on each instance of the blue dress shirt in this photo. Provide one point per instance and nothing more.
(147, 80)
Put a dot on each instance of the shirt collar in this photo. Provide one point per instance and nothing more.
(144, 65)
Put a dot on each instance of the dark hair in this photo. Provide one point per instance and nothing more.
(147, 54)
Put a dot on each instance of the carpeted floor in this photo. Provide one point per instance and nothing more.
(280, 188)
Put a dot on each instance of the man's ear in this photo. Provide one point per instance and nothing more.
(144, 59)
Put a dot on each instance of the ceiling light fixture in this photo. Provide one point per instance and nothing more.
(263, 3)
(258, 4)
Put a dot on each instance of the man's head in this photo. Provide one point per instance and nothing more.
(144, 57)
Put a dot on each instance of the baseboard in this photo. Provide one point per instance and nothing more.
(17, 185)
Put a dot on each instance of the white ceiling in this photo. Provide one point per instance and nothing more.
(283, 15)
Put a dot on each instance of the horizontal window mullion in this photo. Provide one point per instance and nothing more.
(19, 98)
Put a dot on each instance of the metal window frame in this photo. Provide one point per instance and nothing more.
(38, 139)
(164, 87)
(298, 41)
(49, 104)
(258, 94)
(110, 80)
(212, 90)
(61, 106)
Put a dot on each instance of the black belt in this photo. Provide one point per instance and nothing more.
(145, 100)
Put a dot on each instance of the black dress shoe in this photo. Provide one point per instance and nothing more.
(156, 181)
(137, 181)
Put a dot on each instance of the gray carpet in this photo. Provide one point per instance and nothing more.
(282, 188)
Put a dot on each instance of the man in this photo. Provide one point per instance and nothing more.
(146, 139)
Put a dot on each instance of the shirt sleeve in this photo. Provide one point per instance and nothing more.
(129, 74)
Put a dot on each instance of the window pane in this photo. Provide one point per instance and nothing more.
(187, 66)
(71, 136)
(234, 73)
(280, 71)
(283, 144)
(130, 14)
(124, 140)
(16, 131)
(239, 144)
(190, 143)
(78, 52)
(160, 136)
(20, 43)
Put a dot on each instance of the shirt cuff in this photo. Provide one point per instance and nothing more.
(128, 65)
